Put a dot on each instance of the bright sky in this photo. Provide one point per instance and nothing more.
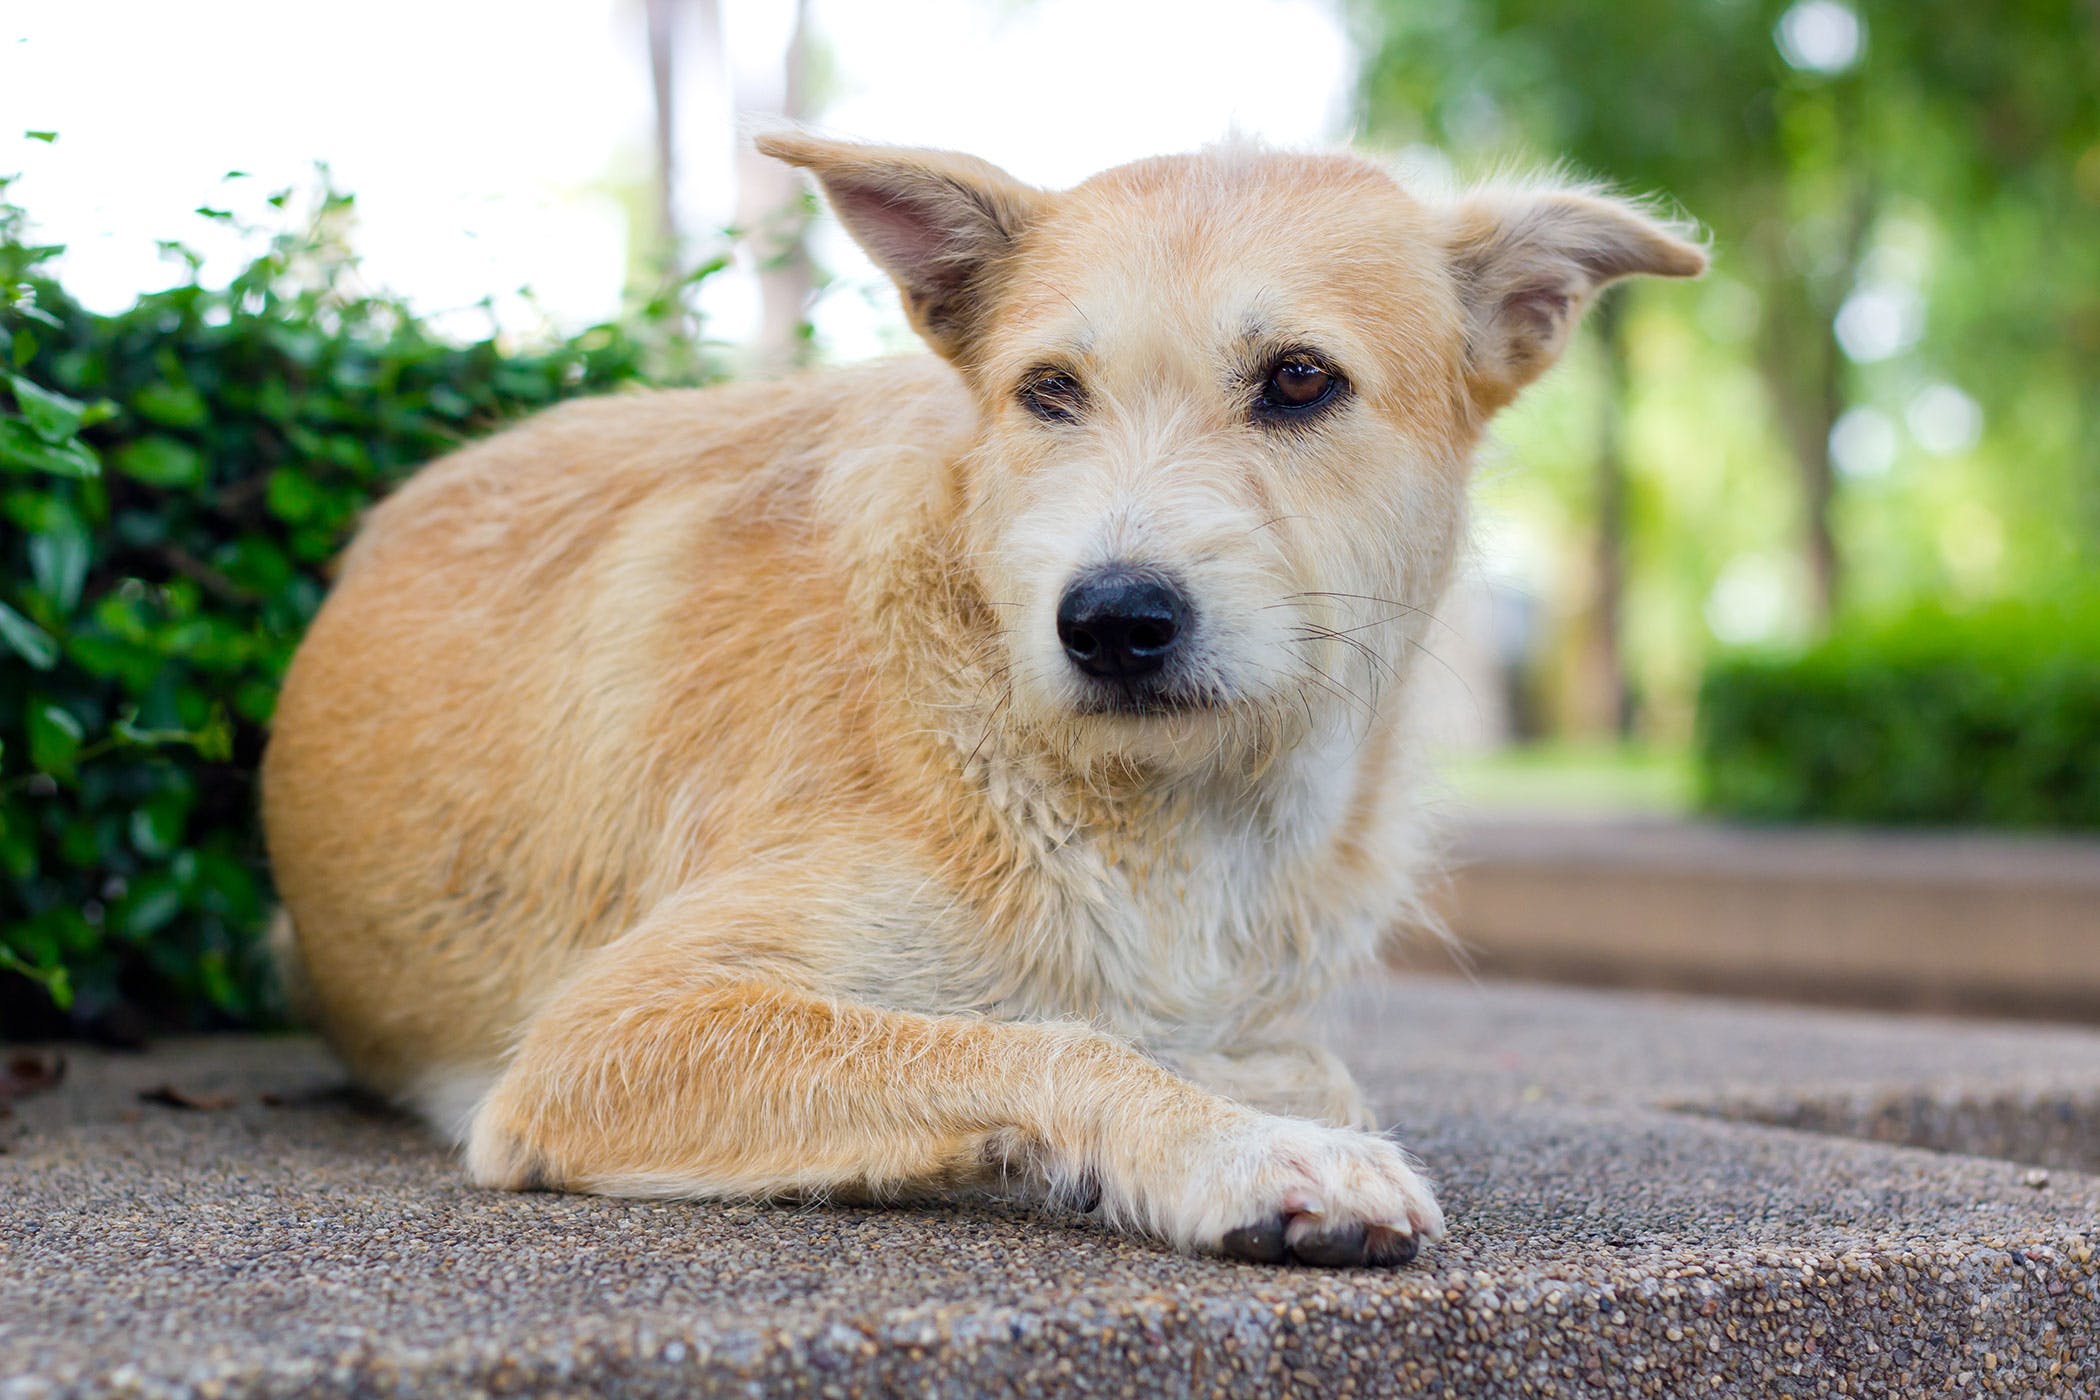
(486, 140)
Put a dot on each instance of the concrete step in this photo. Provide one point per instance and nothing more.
(1949, 921)
(1649, 1195)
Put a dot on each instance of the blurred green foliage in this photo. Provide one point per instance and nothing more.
(174, 480)
(1885, 390)
(1984, 718)
(1575, 778)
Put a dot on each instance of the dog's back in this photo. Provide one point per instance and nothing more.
(561, 671)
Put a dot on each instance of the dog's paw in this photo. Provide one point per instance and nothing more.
(1277, 1190)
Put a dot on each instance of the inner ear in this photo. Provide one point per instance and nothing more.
(1529, 261)
(941, 224)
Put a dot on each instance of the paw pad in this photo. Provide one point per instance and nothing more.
(1301, 1239)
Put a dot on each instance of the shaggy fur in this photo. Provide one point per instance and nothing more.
(686, 794)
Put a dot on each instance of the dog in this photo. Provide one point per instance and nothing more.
(959, 773)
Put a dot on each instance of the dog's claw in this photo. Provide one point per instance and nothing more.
(1260, 1243)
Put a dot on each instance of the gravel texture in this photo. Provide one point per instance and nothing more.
(1648, 1196)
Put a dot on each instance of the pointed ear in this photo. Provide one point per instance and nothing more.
(1528, 262)
(942, 225)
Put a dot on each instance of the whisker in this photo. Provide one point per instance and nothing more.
(990, 721)
(1367, 626)
(1464, 684)
(1388, 602)
(1314, 630)
(1338, 690)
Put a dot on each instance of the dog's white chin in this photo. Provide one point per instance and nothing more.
(1173, 742)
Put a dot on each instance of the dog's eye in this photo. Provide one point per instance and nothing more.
(1298, 383)
(1053, 396)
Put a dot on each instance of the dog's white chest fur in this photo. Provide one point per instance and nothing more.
(1198, 916)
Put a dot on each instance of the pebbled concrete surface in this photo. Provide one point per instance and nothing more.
(1649, 1196)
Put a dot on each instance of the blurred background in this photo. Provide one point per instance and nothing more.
(1777, 665)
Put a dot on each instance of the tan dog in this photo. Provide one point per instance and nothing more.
(946, 773)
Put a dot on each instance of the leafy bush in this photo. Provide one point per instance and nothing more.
(174, 479)
(1986, 719)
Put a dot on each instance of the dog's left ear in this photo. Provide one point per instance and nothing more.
(1528, 262)
(941, 224)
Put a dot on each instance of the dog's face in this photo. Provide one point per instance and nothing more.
(1227, 402)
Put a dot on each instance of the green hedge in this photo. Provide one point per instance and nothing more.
(1983, 719)
(176, 478)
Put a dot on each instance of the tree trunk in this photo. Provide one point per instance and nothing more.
(1808, 392)
(663, 77)
(1615, 697)
(1803, 367)
(772, 219)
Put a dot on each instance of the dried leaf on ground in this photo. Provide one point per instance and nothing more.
(168, 1096)
(29, 1072)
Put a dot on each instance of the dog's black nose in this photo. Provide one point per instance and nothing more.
(1121, 624)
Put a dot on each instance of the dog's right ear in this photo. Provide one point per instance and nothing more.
(941, 224)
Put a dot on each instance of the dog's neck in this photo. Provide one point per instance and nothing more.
(1279, 779)
(1179, 907)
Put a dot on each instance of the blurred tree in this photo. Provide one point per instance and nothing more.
(688, 43)
(773, 210)
(1695, 100)
(1825, 143)
(661, 19)
(1608, 652)
(1987, 133)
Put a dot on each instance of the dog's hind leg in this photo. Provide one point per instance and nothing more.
(684, 1061)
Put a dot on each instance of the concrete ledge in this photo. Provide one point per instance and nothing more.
(1628, 1219)
(1919, 921)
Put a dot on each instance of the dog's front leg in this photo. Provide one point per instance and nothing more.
(684, 1060)
(1300, 1080)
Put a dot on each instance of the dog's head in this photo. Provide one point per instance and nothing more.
(1227, 405)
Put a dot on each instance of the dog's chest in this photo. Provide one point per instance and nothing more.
(1187, 921)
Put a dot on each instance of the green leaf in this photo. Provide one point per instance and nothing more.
(54, 980)
(149, 907)
(157, 827)
(17, 844)
(58, 560)
(214, 742)
(22, 448)
(27, 640)
(54, 739)
(51, 416)
(47, 137)
(161, 461)
(171, 405)
(292, 496)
